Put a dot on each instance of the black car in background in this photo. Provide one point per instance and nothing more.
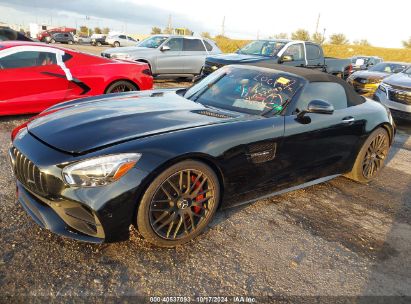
(99, 40)
(10, 34)
(165, 160)
(61, 38)
(364, 62)
(286, 52)
(366, 82)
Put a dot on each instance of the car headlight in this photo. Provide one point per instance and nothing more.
(384, 87)
(120, 56)
(99, 171)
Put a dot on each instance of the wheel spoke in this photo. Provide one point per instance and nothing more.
(165, 213)
(188, 181)
(166, 193)
(180, 182)
(174, 186)
(178, 227)
(169, 229)
(193, 225)
(197, 190)
(195, 182)
(168, 221)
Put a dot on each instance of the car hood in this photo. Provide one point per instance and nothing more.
(235, 58)
(400, 79)
(78, 127)
(126, 50)
(371, 74)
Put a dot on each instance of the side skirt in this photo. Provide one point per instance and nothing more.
(298, 187)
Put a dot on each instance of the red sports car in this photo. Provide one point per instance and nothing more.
(35, 76)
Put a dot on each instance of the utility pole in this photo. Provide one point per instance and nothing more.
(318, 23)
(169, 26)
(223, 27)
(258, 35)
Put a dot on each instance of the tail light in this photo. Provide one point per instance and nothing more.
(147, 72)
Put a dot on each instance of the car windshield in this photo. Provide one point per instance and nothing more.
(388, 67)
(153, 42)
(268, 48)
(360, 60)
(408, 71)
(246, 90)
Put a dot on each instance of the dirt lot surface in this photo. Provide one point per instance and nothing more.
(338, 238)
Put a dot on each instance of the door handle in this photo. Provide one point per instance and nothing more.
(349, 119)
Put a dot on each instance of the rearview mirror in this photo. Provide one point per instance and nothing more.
(318, 107)
(165, 48)
(287, 58)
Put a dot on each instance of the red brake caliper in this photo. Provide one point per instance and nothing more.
(199, 197)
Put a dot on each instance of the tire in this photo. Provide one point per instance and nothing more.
(370, 160)
(98, 43)
(70, 42)
(116, 44)
(52, 41)
(121, 86)
(168, 214)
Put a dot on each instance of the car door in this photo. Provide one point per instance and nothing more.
(169, 59)
(123, 40)
(297, 53)
(321, 145)
(315, 57)
(194, 54)
(31, 81)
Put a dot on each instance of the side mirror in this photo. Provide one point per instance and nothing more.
(287, 58)
(165, 48)
(318, 107)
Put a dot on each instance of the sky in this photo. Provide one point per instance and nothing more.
(383, 23)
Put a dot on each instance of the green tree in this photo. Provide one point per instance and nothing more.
(300, 34)
(338, 39)
(105, 30)
(407, 44)
(97, 30)
(206, 35)
(84, 30)
(155, 30)
(363, 42)
(318, 38)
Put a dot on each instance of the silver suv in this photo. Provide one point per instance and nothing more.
(168, 54)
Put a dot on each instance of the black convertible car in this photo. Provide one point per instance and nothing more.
(165, 160)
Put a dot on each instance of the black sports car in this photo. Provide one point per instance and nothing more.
(164, 160)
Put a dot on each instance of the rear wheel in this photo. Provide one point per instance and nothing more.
(371, 157)
(52, 41)
(98, 43)
(70, 42)
(116, 44)
(121, 86)
(178, 204)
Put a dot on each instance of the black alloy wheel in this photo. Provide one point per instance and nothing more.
(121, 86)
(370, 160)
(179, 204)
(375, 156)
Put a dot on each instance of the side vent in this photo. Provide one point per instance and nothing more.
(261, 152)
(213, 114)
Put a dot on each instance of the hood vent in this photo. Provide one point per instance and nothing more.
(213, 114)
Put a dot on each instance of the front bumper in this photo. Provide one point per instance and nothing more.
(94, 214)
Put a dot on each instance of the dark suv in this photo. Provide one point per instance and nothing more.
(62, 38)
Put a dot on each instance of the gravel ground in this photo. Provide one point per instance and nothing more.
(338, 238)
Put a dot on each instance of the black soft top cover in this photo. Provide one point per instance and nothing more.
(314, 76)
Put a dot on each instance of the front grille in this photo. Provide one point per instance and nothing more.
(208, 67)
(28, 173)
(403, 97)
